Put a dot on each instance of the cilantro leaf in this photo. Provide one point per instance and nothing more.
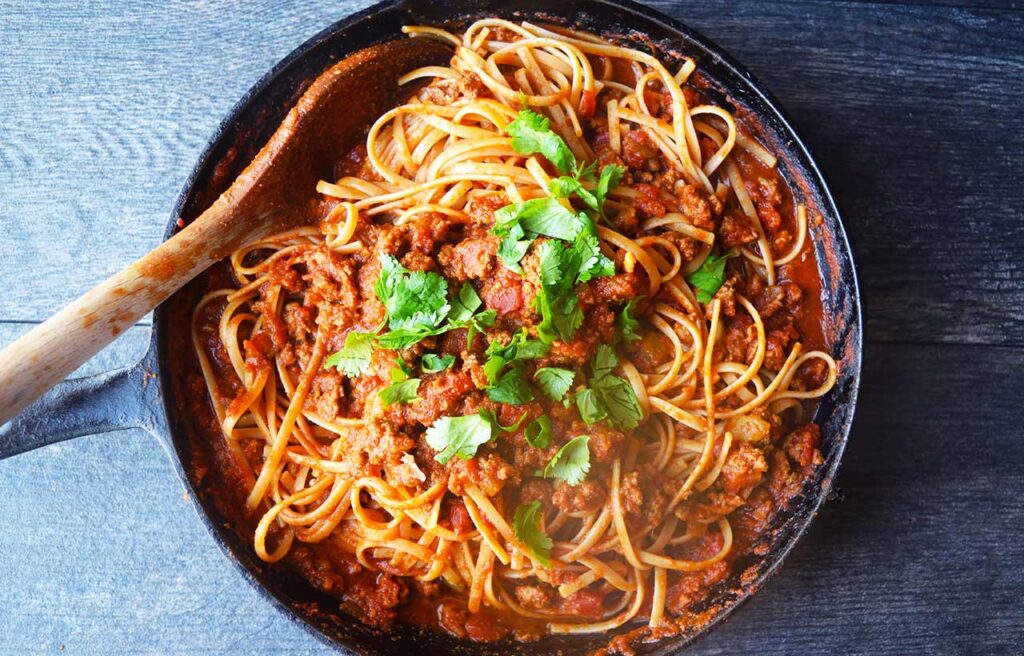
(527, 526)
(619, 400)
(543, 216)
(538, 432)
(627, 323)
(458, 436)
(586, 251)
(709, 277)
(554, 381)
(609, 396)
(493, 418)
(556, 301)
(354, 359)
(460, 315)
(413, 299)
(467, 302)
(531, 133)
(585, 172)
(513, 248)
(560, 269)
(589, 408)
(520, 347)
(406, 337)
(610, 176)
(565, 186)
(402, 388)
(401, 371)
(511, 388)
(431, 363)
(604, 361)
(401, 392)
(571, 463)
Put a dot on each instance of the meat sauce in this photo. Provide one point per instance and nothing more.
(754, 483)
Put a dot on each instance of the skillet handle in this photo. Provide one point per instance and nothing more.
(111, 401)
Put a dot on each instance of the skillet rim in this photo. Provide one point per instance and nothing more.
(815, 492)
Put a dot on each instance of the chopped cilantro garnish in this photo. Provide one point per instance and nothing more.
(402, 388)
(458, 436)
(709, 277)
(543, 216)
(627, 323)
(402, 392)
(608, 396)
(519, 224)
(531, 133)
(538, 432)
(422, 324)
(527, 526)
(565, 186)
(511, 387)
(465, 304)
(413, 299)
(431, 363)
(554, 381)
(589, 407)
(461, 316)
(610, 176)
(513, 248)
(560, 269)
(493, 418)
(571, 463)
(354, 359)
(521, 347)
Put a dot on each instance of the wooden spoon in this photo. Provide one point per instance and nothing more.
(273, 193)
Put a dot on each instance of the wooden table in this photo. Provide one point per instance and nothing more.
(913, 110)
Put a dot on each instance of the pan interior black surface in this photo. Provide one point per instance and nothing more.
(261, 110)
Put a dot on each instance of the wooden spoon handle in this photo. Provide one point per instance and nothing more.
(49, 352)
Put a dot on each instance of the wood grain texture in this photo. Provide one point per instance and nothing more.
(904, 105)
(922, 554)
(913, 112)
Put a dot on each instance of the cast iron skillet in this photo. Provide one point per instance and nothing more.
(150, 394)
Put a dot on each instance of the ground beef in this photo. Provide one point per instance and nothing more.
(600, 326)
(325, 395)
(439, 396)
(603, 151)
(504, 293)
(802, 445)
(691, 587)
(587, 604)
(638, 148)
(753, 518)
(736, 230)
(534, 597)
(778, 343)
(481, 208)
(605, 442)
(648, 201)
(586, 497)
(475, 258)
(774, 298)
(743, 469)
(535, 489)
(617, 288)
(487, 471)
(445, 91)
(741, 339)
(695, 205)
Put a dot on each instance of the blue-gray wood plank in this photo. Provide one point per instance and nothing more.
(914, 112)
